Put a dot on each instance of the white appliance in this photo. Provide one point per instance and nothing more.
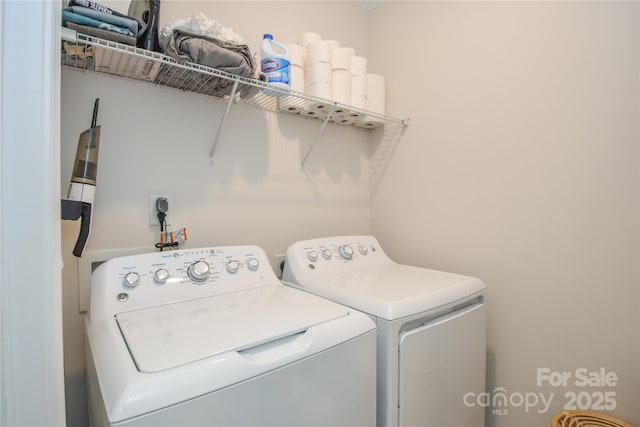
(431, 327)
(211, 337)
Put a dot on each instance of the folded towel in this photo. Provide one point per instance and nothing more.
(102, 34)
(90, 4)
(68, 16)
(109, 18)
(232, 58)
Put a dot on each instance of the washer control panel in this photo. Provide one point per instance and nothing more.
(158, 278)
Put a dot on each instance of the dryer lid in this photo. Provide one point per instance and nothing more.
(396, 290)
(164, 337)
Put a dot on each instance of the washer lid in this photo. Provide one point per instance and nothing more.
(396, 290)
(164, 337)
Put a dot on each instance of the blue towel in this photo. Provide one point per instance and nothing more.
(90, 4)
(68, 16)
(109, 18)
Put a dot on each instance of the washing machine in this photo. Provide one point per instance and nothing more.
(211, 337)
(431, 327)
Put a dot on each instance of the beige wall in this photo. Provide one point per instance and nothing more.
(521, 167)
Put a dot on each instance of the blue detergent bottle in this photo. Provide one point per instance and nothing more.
(275, 64)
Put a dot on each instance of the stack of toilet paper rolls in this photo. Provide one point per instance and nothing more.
(326, 70)
(358, 98)
(341, 81)
(318, 73)
(375, 101)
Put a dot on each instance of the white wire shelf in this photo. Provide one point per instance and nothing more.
(98, 55)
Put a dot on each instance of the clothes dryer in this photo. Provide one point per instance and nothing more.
(211, 337)
(431, 327)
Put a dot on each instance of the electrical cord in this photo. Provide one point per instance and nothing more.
(162, 219)
(161, 246)
(162, 206)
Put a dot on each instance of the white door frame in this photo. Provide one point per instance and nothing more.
(31, 352)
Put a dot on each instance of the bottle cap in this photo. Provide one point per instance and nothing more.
(268, 36)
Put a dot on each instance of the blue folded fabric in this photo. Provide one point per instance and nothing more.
(90, 4)
(85, 20)
(109, 18)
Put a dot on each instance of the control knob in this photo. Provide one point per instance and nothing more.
(199, 271)
(131, 279)
(161, 276)
(326, 253)
(253, 264)
(312, 256)
(345, 251)
(232, 266)
(363, 249)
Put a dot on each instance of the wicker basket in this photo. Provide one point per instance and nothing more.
(586, 419)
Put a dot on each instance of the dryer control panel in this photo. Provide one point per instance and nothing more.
(147, 280)
(331, 256)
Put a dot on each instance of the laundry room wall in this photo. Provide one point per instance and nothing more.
(156, 141)
(521, 167)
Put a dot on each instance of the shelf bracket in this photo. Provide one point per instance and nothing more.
(232, 96)
(320, 132)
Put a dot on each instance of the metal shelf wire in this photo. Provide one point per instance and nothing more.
(98, 55)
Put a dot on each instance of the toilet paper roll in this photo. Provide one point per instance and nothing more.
(359, 91)
(319, 51)
(341, 97)
(318, 72)
(352, 117)
(318, 109)
(307, 38)
(341, 86)
(341, 108)
(320, 89)
(341, 78)
(376, 93)
(359, 101)
(296, 54)
(375, 80)
(343, 118)
(358, 66)
(296, 78)
(341, 59)
(376, 105)
(369, 122)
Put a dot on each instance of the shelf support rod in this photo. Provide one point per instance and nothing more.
(320, 132)
(232, 96)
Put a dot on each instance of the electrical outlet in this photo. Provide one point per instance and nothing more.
(153, 212)
(278, 259)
